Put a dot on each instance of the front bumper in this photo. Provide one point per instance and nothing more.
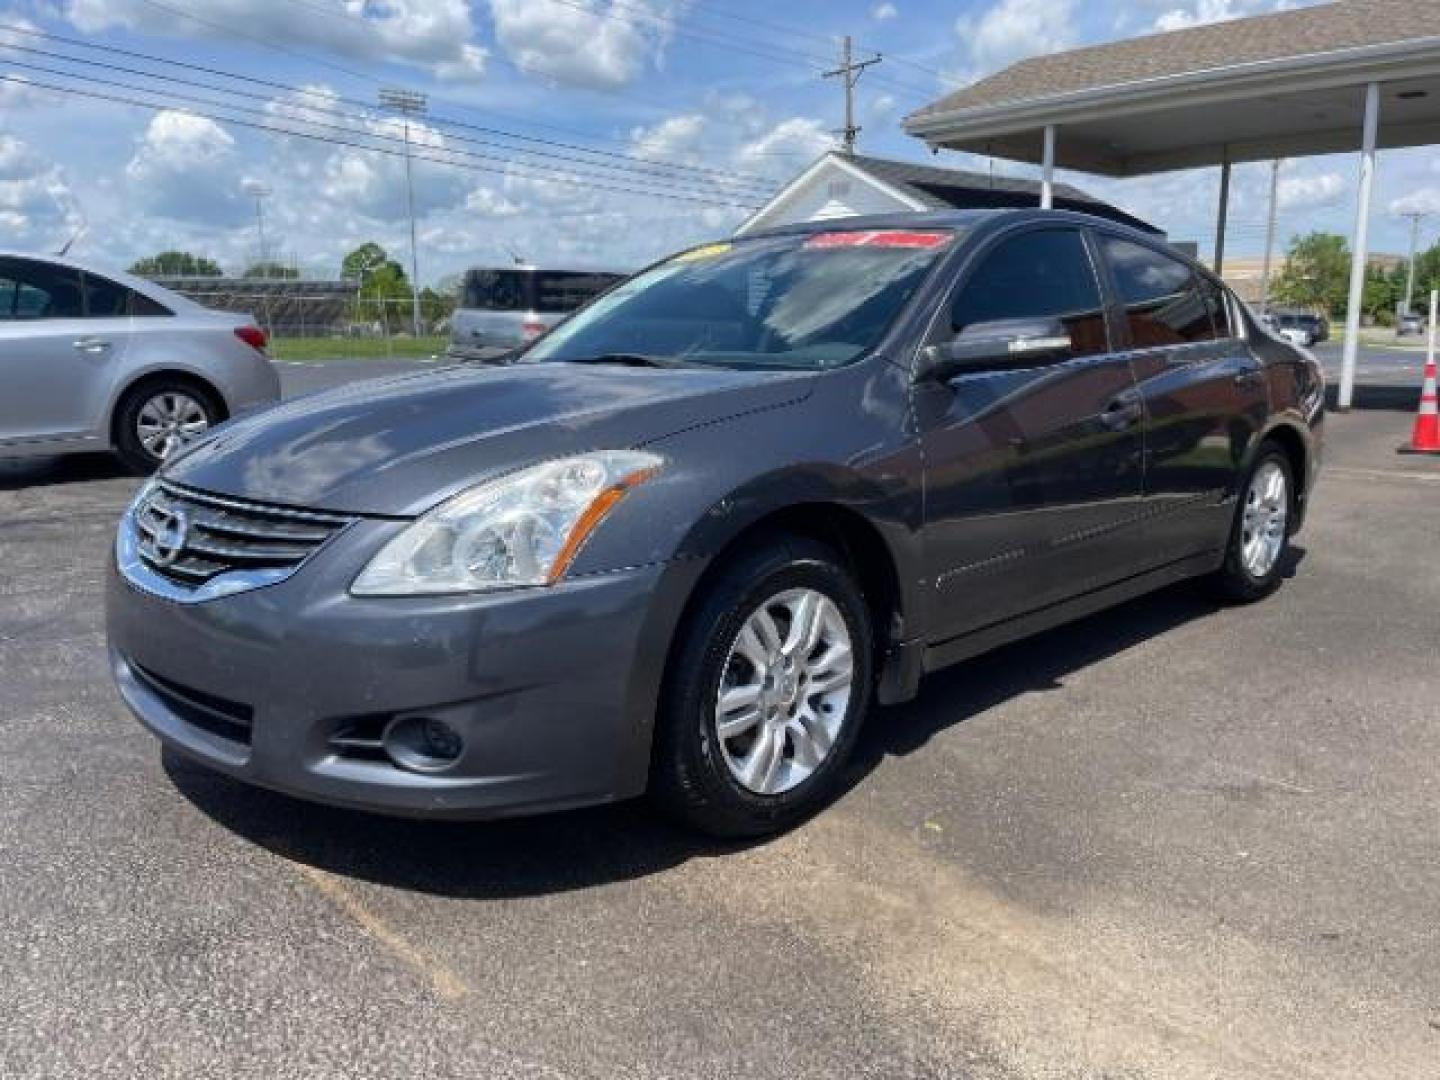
(553, 690)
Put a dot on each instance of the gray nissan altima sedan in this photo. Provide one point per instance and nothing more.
(687, 539)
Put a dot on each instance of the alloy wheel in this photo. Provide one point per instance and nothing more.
(785, 691)
(169, 421)
(1262, 526)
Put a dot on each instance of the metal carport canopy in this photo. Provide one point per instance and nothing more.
(1351, 75)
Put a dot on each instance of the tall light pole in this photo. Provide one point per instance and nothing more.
(1415, 216)
(1269, 235)
(408, 103)
(259, 192)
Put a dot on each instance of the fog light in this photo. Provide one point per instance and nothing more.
(422, 743)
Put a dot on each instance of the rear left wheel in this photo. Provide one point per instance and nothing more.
(1254, 559)
(766, 693)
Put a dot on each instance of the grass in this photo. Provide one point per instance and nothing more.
(329, 348)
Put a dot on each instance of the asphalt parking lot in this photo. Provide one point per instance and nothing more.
(1172, 840)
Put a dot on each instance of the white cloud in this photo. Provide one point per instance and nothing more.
(38, 210)
(433, 34)
(884, 11)
(1300, 192)
(676, 138)
(1200, 12)
(595, 43)
(1425, 200)
(882, 105)
(799, 138)
(1012, 30)
(185, 167)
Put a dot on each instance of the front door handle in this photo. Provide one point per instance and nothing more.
(92, 345)
(1121, 413)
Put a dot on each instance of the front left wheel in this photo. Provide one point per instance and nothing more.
(766, 692)
(158, 419)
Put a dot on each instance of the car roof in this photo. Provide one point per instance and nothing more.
(144, 286)
(971, 220)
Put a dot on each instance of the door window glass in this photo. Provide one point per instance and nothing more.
(1163, 301)
(33, 290)
(1045, 274)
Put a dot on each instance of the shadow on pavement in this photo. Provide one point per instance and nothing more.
(18, 473)
(583, 848)
(552, 853)
(1377, 397)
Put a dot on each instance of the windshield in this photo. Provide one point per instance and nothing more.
(810, 301)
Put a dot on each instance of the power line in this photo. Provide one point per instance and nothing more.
(188, 101)
(643, 175)
(275, 128)
(329, 99)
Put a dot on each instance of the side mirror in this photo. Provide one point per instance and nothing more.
(996, 346)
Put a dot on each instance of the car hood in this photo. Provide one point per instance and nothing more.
(398, 446)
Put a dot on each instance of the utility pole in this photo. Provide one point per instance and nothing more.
(1414, 216)
(850, 71)
(259, 192)
(1269, 235)
(408, 103)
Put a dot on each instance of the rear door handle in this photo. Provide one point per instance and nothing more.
(1247, 378)
(92, 345)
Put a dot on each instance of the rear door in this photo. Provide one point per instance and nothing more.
(55, 364)
(1032, 472)
(1203, 391)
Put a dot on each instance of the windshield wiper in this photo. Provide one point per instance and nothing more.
(635, 360)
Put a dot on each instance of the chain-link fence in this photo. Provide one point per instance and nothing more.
(325, 318)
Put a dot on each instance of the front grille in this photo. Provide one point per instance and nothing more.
(190, 537)
(219, 716)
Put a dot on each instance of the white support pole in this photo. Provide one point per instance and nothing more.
(1222, 214)
(1360, 250)
(1047, 175)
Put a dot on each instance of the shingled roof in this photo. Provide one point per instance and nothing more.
(946, 189)
(1346, 24)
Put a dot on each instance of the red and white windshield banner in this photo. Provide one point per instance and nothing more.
(885, 238)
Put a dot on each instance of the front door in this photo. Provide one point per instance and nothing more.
(1032, 473)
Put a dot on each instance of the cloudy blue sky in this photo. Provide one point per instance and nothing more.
(595, 133)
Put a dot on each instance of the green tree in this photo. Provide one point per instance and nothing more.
(272, 271)
(176, 264)
(366, 260)
(1381, 293)
(1316, 273)
(1427, 277)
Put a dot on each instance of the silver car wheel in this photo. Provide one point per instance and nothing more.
(785, 691)
(1264, 518)
(168, 421)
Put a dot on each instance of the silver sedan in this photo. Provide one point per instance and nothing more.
(94, 361)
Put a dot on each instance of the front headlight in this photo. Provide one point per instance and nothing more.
(522, 529)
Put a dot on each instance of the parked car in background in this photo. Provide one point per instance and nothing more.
(1408, 324)
(504, 308)
(1296, 329)
(93, 360)
(685, 540)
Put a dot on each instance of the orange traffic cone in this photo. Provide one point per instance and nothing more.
(1425, 438)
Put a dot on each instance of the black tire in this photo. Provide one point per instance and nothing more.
(690, 777)
(127, 414)
(1234, 583)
